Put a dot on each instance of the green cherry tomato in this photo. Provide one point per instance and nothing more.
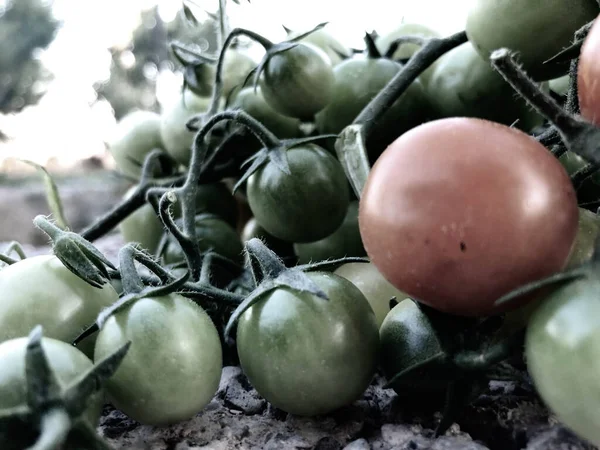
(173, 367)
(67, 363)
(357, 81)
(236, 67)
(335, 50)
(142, 226)
(535, 31)
(253, 103)
(253, 229)
(345, 241)
(405, 51)
(213, 198)
(376, 289)
(40, 290)
(298, 82)
(587, 232)
(305, 206)
(463, 84)
(407, 339)
(136, 135)
(307, 355)
(563, 354)
(212, 233)
(176, 137)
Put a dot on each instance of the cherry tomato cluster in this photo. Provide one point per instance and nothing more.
(423, 207)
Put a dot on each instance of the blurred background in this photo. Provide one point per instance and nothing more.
(69, 70)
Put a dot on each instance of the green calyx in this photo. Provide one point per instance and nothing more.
(76, 253)
(53, 414)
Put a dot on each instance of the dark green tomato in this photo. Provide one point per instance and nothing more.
(357, 81)
(142, 226)
(253, 229)
(254, 104)
(213, 198)
(177, 139)
(40, 290)
(212, 233)
(307, 355)
(173, 367)
(136, 135)
(562, 349)
(298, 82)
(345, 241)
(535, 30)
(376, 289)
(465, 85)
(407, 339)
(67, 363)
(305, 206)
(405, 51)
(335, 50)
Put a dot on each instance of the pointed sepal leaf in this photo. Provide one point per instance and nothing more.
(42, 386)
(303, 35)
(299, 281)
(265, 287)
(279, 159)
(258, 160)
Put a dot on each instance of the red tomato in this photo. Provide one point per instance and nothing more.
(459, 211)
(588, 76)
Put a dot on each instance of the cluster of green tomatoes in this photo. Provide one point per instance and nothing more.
(467, 250)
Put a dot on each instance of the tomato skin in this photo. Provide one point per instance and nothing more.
(173, 367)
(563, 356)
(306, 355)
(536, 30)
(212, 234)
(136, 135)
(142, 226)
(40, 290)
(254, 104)
(588, 73)
(345, 241)
(253, 229)
(177, 139)
(213, 198)
(67, 363)
(326, 42)
(405, 51)
(560, 85)
(468, 239)
(465, 85)
(298, 82)
(587, 232)
(407, 338)
(287, 205)
(357, 82)
(376, 289)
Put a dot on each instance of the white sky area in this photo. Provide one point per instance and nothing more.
(64, 126)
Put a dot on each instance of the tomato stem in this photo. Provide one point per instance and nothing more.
(580, 136)
(420, 61)
(583, 174)
(418, 40)
(372, 50)
(266, 43)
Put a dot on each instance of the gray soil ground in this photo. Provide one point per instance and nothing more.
(508, 416)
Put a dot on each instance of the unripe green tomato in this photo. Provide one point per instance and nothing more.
(306, 205)
(136, 135)
(326, 42)
(376, 289)
(142, 226)
(357, 82)
(66, 362)
(253, 103)
(345, 241)
(253, 229)
(176, 138)
(463, 84)
(173, 367)
(535, 30)
(41, 290)
(405, 51)
(298, 82)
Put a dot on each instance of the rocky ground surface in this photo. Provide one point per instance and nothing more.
(508, 416)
